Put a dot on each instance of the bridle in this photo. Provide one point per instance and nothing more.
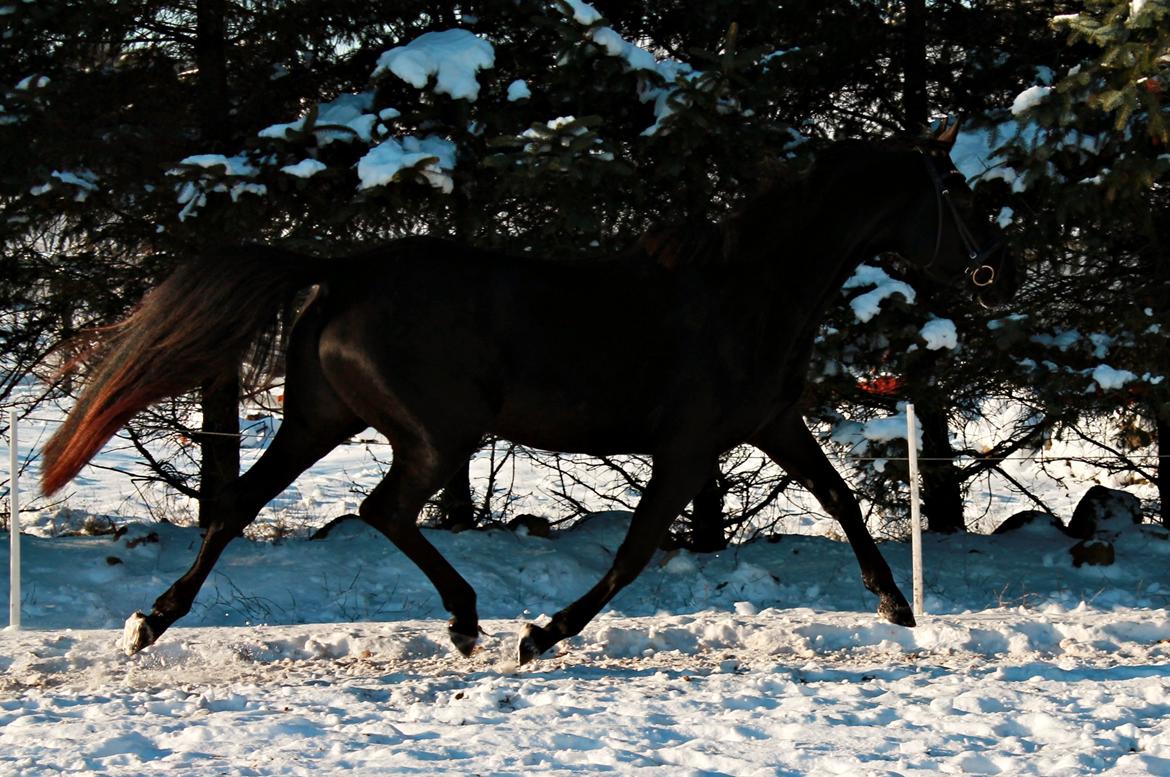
(982, 273)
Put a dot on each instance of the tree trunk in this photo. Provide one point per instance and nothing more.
(942, 483)
(707, 534)
(220, 443)
(211, 59)
(455, 505)
(915, 104)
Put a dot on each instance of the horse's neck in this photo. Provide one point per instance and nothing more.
(826, 229)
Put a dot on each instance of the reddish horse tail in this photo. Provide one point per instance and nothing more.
(194, 327)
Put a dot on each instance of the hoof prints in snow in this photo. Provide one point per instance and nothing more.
(780, 692)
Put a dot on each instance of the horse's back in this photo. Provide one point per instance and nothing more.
(566, 355)
(587, 356)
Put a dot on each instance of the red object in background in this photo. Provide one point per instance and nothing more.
(882, 385)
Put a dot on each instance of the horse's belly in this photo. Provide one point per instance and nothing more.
(575, 425)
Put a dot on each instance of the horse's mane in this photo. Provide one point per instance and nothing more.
(704, 242)
(787, 190)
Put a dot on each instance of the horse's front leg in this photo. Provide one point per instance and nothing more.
(789, 443)
(393, 507)
(674, 483)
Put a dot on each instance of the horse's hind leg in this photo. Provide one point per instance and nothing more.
(315, 422)
(790, 444)
(416, 474)
(674, 483)
(294, 449)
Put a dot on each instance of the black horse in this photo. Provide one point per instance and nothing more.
(436, 345)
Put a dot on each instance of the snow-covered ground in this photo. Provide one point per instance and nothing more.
(318, 657)
(326, 656)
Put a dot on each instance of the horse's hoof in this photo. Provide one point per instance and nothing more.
(533, 643)
(137, 634)
(898, 613)
(464, 643)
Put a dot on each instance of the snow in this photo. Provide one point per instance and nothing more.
(940, 333)
(235, 165)
(453, 57)
(330, 656)
(518, 90)
(344, 118)
(1109, 378)
(892, 428)
(431, 157)
(637, 59)
(1062, 340)
(583, 13)
(84, 179)
(323, 657)
(306, 168)
(241, 189)
(869, 304)
(1029, 98)
(32, 82)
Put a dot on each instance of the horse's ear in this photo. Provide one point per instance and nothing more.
(947, 135)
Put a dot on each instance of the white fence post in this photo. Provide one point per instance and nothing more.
(915, 510)
(13, 525)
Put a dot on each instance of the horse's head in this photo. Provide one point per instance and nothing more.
(947, 235)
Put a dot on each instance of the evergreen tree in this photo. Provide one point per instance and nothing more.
(137, 135)
(1090, 162)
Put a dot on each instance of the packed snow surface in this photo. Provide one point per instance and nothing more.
(329, 656)
(311, 657)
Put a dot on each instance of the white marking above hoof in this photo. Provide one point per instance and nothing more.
(136, 634)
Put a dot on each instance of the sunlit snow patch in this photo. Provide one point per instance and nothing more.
(453, 57)
(306, 168)
(869, 304)
(1109, 378)
(346, 117)
(431, 157)
(940, 333)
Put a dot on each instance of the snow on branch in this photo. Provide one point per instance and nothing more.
(666, 98)
(431, 157)
(869, 304)
(452, 57)
(347, 117)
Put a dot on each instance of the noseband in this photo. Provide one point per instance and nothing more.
(982, 273)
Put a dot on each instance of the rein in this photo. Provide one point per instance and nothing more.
(982, 274)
